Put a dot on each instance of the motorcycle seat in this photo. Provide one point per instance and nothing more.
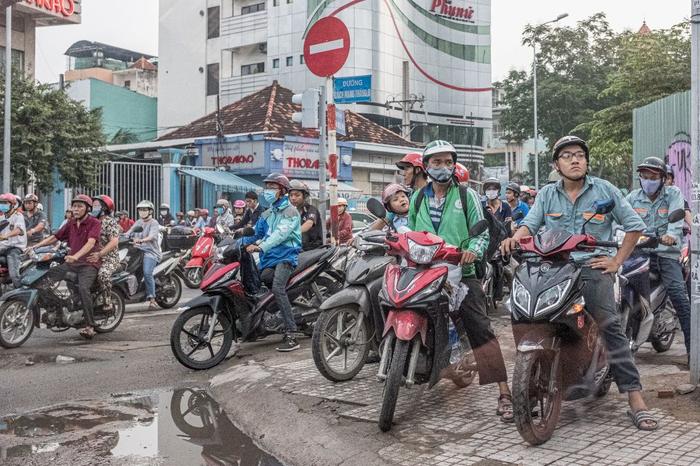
(307, 258)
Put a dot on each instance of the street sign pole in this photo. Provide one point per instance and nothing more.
(322, 157)
(695, 201)
(7, 146)
(332, 156)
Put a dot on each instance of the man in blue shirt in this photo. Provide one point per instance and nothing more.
(516, 205)
(654, 202)
(566, 205)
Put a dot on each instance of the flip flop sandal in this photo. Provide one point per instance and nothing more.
(88, 334)
(641, 416)
(505, 408)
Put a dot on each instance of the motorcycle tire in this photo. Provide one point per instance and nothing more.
(178, 331)
(392, 384)
(118, 305)
(662, 343)
(536, 430)
(192, 277)
(194, 407)
(15, 306)
(605, 386)
(322, 340)
(171, 301)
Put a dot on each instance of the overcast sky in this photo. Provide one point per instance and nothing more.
(133, 24)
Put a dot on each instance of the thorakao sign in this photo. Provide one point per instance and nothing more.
(457, 13)
(237, 156)
(61, 8)
(300, 160)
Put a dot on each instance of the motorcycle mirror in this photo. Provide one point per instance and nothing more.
(376, 208)
(604, 207)
(519, 215)
(480, 227)
(675, 216)
(137, 229)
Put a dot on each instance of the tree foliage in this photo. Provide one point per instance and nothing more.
(51, 132)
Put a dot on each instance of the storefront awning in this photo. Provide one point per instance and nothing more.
(222, 179)
(344, 189)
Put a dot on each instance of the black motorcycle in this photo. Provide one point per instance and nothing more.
(43, 300)
(351, 320)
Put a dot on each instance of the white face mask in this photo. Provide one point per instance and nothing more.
(491, 194)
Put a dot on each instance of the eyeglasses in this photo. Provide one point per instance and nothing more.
(578, 155)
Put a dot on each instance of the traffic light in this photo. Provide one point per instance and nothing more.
(309, 115)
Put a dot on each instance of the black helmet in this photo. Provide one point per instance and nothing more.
(278, 179)
(513, 186)
(567, 141)
(653, 164)
(493, 181)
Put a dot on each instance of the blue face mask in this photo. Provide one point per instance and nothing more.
(650, 186)
(270, 195)
(440, 175)
(220, 210)
(96, 211)
(4, 208)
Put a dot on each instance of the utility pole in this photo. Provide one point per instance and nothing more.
(7, 135)
(406, 102)
(695, 201)
(322, 158)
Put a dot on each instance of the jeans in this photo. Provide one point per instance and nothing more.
(474, 321)
(13, 264)
(85, 278)
(671, 274)
(249, 273)
(600, 302)
(280, 277)
(149, 263)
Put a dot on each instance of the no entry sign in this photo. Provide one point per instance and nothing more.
(326, 46)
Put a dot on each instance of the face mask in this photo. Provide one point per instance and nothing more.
(650, 186)
(4, 208)
(270, 195)
(96, 211)
(440, 175)
(144, 215)
(220, 210)
(491, 194)
(163, 213)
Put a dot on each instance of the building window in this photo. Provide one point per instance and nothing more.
(290, 61)
(213, 79)
(213, 22)
(246, 10)
(276, 63)
(17, 59)
(301, 59)
(253, 68)
(377, 189)
(290, 1)
(127, 84)
(275, 2)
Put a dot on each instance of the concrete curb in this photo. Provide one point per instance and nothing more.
(298, 430)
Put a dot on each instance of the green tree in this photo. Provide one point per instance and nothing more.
(51, 132)
(123, 136)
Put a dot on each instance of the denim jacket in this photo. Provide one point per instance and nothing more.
(655, 216)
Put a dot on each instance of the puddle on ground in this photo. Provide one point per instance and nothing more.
(183, 426)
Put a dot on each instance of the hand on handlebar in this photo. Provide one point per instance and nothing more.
(509, 245)
(668, 240)
(468, 257)
(605, 264)
(71, 259)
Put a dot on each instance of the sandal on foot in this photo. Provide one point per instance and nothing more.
(505, 408)
(153, 306)
(643, 416)
(88, 333)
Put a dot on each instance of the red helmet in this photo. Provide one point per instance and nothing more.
(8, 197)
(461, 173)
(392, 189)
(204, 212)
(412, 159)
(107, 203)
(85, 199)
(239, 204)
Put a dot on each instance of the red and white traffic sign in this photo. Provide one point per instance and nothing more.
(326, 46)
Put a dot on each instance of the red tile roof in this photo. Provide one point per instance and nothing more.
(270, 110)
(144, 64)
(644, 30)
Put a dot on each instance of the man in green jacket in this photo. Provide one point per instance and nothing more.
(441, 212)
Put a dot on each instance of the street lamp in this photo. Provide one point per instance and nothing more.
(534, 79)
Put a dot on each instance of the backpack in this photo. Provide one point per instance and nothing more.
(497, 230)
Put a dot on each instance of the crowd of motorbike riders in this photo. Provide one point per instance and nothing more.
(429, 199)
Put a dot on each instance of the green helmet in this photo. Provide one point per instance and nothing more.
(438, 147)
(146, 205)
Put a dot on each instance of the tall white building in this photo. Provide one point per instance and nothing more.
(226, 49)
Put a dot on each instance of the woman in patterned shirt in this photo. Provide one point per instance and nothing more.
(102, 208)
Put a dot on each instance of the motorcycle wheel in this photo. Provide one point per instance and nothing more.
(331, 343)
(536, 378)
(16, 323)
(192, 277)
(167, 302)
(110, 323)
(194, 412)
(662, 343)
(393, 383)
(189, 329)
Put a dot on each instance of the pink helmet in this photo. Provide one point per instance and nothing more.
(8, 197)
(239, 204)
(392, 189)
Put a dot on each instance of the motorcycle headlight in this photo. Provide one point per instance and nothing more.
(421, 254)
(552, 297)
(520, 296)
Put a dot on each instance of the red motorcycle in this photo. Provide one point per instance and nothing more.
(415, 345)
(202, 257)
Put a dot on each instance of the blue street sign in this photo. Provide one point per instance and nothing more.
(352, 89)
(340, 122)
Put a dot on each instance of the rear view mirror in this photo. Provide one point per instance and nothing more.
(376, 208)
(480, 227)
(137, 229)
(604, 207)
(519, 215)
(675, 216)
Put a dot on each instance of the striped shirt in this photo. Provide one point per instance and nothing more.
(436, 206)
